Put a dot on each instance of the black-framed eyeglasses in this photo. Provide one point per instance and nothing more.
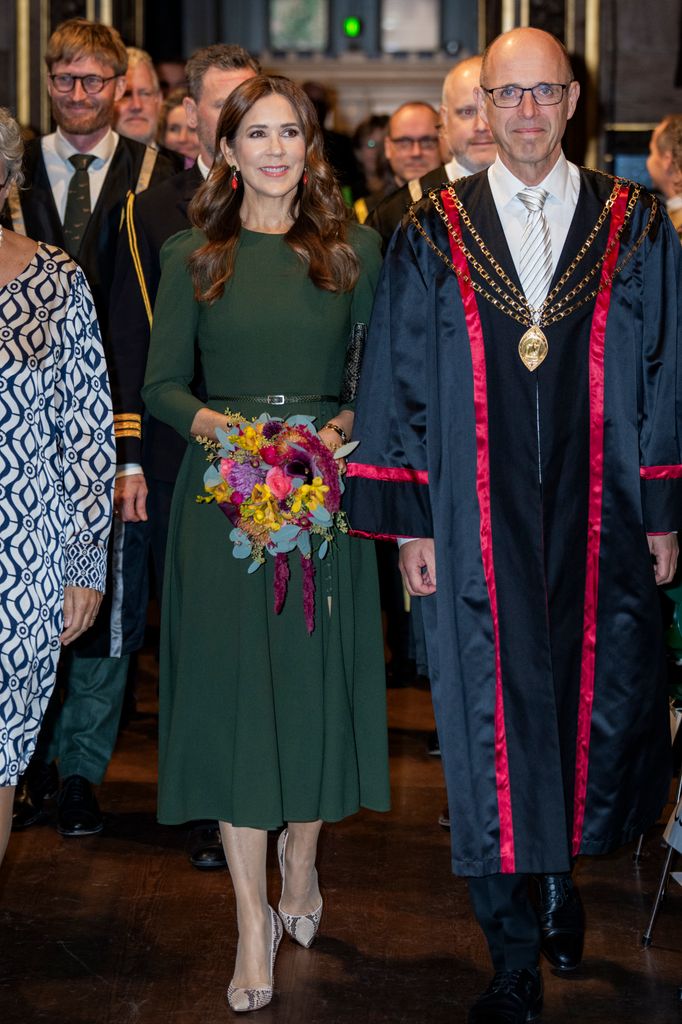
(545, 94)
(92, 84)
(406, 142)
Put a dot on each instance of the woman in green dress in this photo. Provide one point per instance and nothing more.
(261, 722)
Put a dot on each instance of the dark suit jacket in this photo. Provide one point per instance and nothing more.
(155, 216)
(97, 251)
(386, 216)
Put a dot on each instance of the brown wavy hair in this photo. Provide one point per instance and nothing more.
(318, 234)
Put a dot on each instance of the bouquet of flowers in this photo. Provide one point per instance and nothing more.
(277, 483)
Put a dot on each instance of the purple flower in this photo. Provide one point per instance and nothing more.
(244, 477)
(271, 428)
(300, 465)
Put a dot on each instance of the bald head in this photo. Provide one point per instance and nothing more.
(467, 136)
(527, 119)
(511, 46)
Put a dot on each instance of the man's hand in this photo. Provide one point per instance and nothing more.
(664, 550)
(81, 605)
(418, 566)
(130, 498)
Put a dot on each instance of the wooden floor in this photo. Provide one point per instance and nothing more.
(119, 929)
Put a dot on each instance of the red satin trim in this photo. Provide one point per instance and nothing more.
(377, 536)
(392, 474)
(660, 472)
(594, 521)
(475, 331)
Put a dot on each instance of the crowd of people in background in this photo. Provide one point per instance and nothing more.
(171, 215)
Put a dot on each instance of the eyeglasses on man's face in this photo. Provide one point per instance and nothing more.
(405, 142)
(545, 94)
(92, 84)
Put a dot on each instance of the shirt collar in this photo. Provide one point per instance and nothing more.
(203, 167)
(505, 186)
(455, 170)
(674, 203)
(103, 151)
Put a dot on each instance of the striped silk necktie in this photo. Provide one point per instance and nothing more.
(535, 265)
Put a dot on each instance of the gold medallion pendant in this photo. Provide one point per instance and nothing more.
(533, 348)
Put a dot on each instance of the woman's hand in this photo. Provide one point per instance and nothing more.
(332, 441)
(206, 422)
(81, 605)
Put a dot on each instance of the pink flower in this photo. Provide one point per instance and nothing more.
(236, 498)
(269, 454)
(225, 467)
(279, 482)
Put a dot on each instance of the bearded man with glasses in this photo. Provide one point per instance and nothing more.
(524, 355)
(75, 184)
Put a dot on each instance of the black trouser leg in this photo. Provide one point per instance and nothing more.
(503, 909)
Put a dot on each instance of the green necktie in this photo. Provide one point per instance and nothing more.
(77, 213)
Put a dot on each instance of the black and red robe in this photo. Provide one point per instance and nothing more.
(544, 636)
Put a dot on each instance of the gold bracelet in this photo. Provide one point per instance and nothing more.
(339, 430)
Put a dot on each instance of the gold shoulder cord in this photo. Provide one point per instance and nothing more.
(135, 254)
(533, 346)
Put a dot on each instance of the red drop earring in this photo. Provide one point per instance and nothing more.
(234, 180)
(305, 176)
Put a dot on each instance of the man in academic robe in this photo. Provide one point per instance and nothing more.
(75, 183)
(466, 136)
(149, 453)
(518, 418)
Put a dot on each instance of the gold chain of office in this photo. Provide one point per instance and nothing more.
(533, 346)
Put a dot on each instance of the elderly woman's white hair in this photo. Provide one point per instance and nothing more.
(11, 146)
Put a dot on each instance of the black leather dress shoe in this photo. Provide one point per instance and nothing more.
(562, 921)
(207, 852)
(513, 997)
(78, 812)
(40, 784)
(433, 744)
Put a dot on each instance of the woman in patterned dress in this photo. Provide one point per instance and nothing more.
(57, 465)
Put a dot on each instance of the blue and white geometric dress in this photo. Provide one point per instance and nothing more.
(57, 466)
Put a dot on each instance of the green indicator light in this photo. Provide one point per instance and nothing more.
(352, 27)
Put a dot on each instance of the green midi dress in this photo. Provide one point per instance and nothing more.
(261, 722)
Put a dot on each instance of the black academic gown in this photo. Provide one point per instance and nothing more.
(386, 215)
(544, 635)
(117, 629)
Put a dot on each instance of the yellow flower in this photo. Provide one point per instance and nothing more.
(251, 439)
(262, 508)
(309, 495)
(221, 492)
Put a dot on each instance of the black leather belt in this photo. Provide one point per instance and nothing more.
(274, 399)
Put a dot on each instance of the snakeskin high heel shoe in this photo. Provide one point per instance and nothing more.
(242, 1000)
(301, 927)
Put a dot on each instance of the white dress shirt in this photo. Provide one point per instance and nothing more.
(563, 185)
(56, 152)
(454, 170)
(204, 169)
